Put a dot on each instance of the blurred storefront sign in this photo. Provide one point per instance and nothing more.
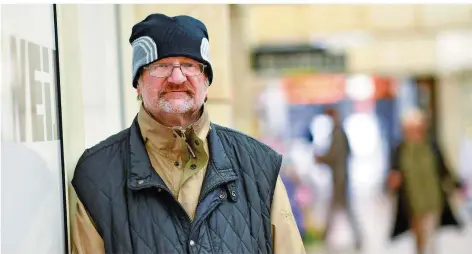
(385, 87)
(283, 60)
(314, 89)
(332, 88)
(307, 96)
(360, 87)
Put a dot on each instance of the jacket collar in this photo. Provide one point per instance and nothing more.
(141, 174)
(165, 138)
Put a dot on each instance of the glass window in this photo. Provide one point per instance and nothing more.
(32, 177)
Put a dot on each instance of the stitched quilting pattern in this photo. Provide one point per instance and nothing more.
(151, 221)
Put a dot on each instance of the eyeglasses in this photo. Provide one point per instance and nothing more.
(163, 70)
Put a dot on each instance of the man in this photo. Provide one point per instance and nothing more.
(174, 182)
(424, 183)
(337, 159)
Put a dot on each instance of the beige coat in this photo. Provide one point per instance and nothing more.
(171, 159)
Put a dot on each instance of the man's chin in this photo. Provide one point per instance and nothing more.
(177, 110)
(177, 106)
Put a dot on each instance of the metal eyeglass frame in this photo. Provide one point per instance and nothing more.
(203, 66)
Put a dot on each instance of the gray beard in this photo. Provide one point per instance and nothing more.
(169, 107)
(183, 107)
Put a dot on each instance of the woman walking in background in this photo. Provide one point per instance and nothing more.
(423, 182)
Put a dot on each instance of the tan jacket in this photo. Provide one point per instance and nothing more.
(183, 174)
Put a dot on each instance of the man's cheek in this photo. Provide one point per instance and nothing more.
(153, 91)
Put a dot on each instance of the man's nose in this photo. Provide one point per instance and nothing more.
(177, 77)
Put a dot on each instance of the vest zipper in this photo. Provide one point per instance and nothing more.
(202, 196)
(177, 201)
(191, 222)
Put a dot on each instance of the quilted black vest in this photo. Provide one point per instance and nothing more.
(134, 211)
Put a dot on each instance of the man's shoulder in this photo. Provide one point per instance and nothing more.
(251, 156)
(240, 139)
(99, 170)
(102, 152)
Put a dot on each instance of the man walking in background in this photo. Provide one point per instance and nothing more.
(337, 159)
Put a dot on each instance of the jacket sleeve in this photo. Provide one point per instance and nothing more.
(444, 170)
(85, 238)
(394, 166)
(395, 158)
(285, 233)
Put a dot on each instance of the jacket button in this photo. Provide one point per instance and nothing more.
(176, 163)
(196, 142)
(223, 195)
(192, 243)
(193, 166)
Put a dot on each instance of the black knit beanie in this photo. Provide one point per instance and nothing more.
(159, 36)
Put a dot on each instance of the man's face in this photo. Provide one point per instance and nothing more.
(175, 94)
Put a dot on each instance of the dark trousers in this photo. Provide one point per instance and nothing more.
(345, 206)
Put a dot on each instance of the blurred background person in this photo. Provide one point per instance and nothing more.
(337, 159)
(423, 181)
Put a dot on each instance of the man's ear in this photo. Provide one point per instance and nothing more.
(139, 97)
(207, 84)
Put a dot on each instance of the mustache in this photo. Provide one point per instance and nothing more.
(171, 87)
